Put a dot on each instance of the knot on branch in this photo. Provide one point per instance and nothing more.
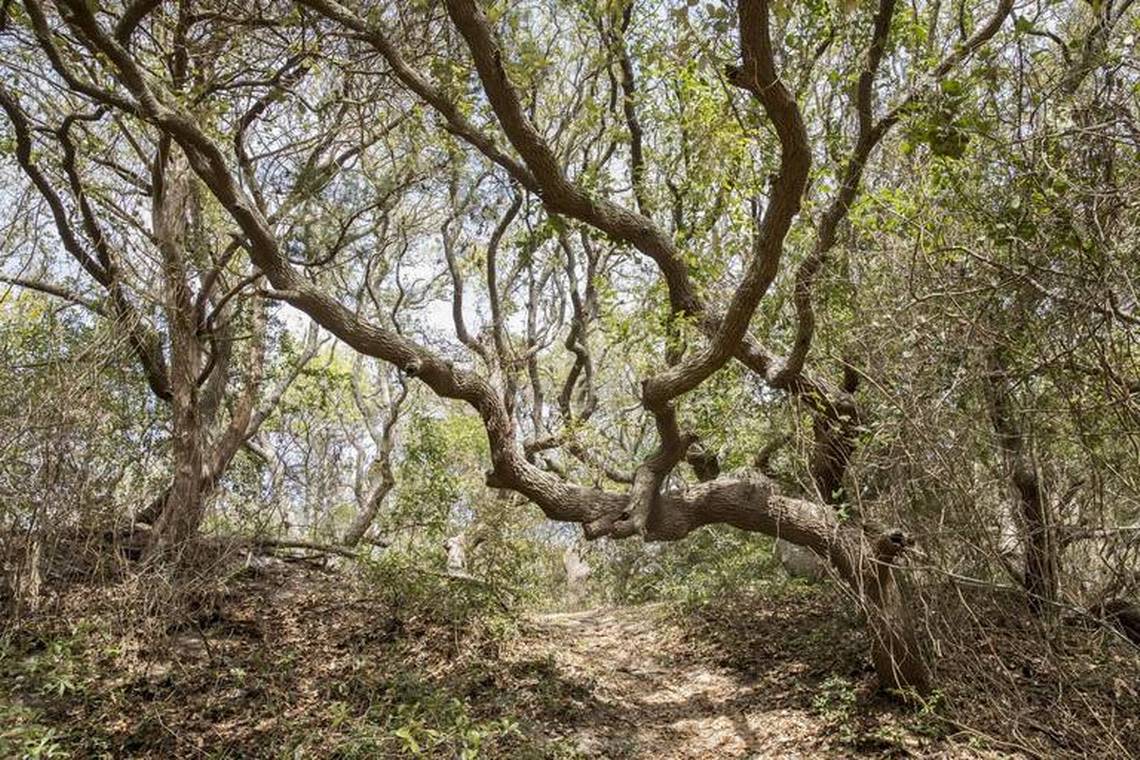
(623, 524)
(413, 366)
(495, 480)
(602, 526)
(735, 76)
(891, 543)
(628, 524)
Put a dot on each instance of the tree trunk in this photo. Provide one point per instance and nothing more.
(245, 422)
(899, 660)
(1041, 556)
(384, 437)
(1039, 540)
(184, 505)
(367, 515)
(577, 573)
(896, 653)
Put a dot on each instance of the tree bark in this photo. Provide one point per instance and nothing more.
(385, 440)
(185, 504)
(367, 515)
(1041, 572)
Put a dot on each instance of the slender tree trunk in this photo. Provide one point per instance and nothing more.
(1041, 569)
(367, 515)
(899, 659)
(244, 422)
(184, 505)
(384, 437)
(1041, 556)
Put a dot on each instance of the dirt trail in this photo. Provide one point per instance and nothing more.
(642, 695)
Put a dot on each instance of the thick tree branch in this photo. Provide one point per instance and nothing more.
(559, 194)
(757, 75)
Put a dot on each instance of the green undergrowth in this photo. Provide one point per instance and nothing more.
(292, 660)
(1005, 685)
(284, 661)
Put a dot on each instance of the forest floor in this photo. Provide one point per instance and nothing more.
(785, 679)
(296, 661)
(654, 695)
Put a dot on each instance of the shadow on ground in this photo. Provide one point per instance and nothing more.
(785, 676)
(302, 663)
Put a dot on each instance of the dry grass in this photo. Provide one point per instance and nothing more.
(291, 660)
(287, 661)
(1006, 683)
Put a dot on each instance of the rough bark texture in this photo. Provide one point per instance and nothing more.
(1041, 570)
(185, 505)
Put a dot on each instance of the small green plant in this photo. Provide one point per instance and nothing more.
(425, 728)
(836, 701)
(23, 736)
(835, 698)
(928, 719)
